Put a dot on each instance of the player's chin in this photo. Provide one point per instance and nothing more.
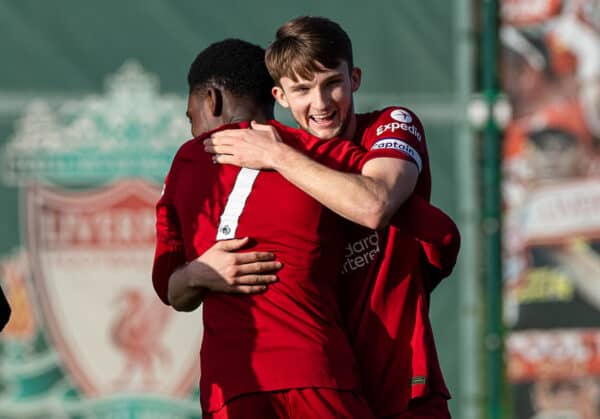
(325, 133)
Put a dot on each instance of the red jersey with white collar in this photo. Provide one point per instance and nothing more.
(290, 336)
(386, 282)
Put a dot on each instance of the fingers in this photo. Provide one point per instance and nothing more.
(254, 280)
(226, 133)
(226, 137)
(214, 140)
(269, 130)
(247, 289)
(209, 147)
(260, 127)
(250, 257)
(226, 159)
(250, 284)
(218, 149)
(255, 268)
(233, 244)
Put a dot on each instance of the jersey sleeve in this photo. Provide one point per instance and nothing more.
(169, 253)
(397, 133)
(437, 234)
(338, 154)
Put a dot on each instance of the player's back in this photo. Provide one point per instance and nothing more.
(290, 336)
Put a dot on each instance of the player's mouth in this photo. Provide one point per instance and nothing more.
(324, 120)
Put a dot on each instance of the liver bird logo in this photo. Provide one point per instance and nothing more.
(136, 331)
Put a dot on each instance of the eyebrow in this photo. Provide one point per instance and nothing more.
(332, 77)
(300, 86)
(336, 76)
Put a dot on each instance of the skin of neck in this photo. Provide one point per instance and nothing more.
(350, 129)
(238, 109)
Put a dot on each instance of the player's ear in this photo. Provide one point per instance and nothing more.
(355, 78)
(279, 96)
(214, 98)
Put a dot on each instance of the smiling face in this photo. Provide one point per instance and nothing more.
(323, 105)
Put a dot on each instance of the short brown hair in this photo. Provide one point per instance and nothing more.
(306, 43)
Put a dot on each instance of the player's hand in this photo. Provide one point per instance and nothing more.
(231, 272)
(258, 147)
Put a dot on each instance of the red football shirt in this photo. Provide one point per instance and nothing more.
(385, 291)
(290, 336)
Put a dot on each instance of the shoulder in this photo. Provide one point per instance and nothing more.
(394, 123)
(194, 148)
(391, 121)
(397, 114)
(294, 137)
(390, 113)
(190, 152)
(285, 129)
(188, 148)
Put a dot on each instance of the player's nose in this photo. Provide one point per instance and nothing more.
(320, 99)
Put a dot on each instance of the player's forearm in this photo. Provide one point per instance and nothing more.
(184, 294)
(358, 198)
(369, 199)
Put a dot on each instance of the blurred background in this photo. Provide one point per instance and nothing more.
(92, 110)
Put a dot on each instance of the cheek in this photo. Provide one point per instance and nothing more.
(298, 107)
(197, 127)
(343, 98)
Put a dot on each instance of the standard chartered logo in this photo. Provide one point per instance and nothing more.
(360, 253)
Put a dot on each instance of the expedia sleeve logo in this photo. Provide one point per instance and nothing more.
(395, 126)
(401, 121)
(401, 146)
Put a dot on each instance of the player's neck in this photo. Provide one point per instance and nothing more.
(349, 129)
(257, 115)
(245, 110)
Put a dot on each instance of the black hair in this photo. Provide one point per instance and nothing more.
(236, 66)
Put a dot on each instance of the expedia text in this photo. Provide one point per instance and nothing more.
(393, 126)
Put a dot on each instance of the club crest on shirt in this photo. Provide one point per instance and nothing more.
(401, 115)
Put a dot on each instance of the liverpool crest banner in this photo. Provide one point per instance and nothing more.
(88, 336)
